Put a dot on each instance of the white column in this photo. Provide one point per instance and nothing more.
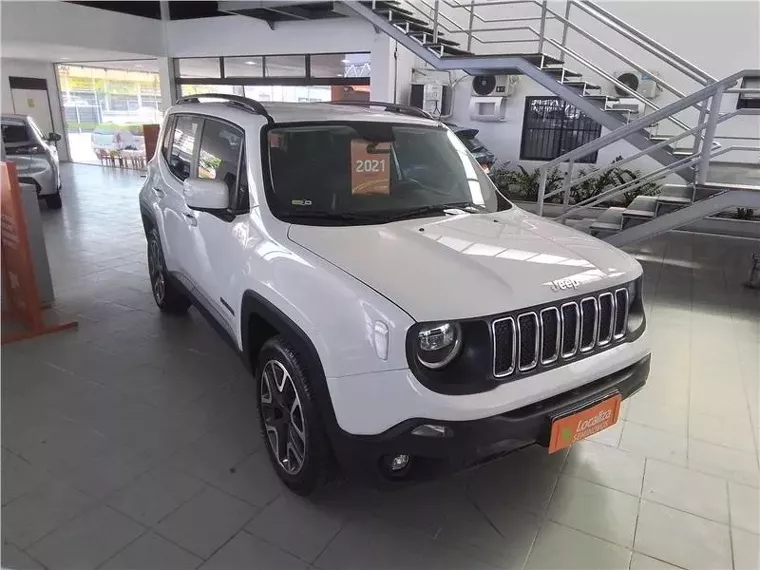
(391, 73)
(165, 64)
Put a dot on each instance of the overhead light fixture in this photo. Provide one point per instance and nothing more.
(344, 61)
(250, 63)
(339, 74)
(64, 58)
(138, 65)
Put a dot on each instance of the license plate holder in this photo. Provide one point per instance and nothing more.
(579, 424)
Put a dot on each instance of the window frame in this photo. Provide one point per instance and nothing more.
(590, 158)
(196, 147)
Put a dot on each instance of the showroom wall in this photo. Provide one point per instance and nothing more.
(38, 70)
(719, 37)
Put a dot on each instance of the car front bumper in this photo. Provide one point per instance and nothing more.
(467, 443)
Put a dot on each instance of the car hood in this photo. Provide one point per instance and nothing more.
(469, 265)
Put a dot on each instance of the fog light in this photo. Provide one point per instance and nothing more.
(399, 462)
(431, 430)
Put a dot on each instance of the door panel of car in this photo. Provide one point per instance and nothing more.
(218, 237)
(179, 160)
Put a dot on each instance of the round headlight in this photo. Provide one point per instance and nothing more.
(438, 344)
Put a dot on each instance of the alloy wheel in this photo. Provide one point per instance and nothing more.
(156, 271)
(283, 417)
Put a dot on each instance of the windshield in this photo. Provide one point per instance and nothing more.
(372, 173)
(15, 133)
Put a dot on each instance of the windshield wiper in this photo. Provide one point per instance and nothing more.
(337, 216)
(437, 209)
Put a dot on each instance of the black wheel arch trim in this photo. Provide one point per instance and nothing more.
(255, 304)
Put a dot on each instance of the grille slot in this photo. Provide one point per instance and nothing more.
(527, 335)
(554, 334)
(504, 347)
(589, 323)
(606, 318)
(570, 329)
(621, 313)
(550, 335)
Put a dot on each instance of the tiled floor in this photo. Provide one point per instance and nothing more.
(132, 441)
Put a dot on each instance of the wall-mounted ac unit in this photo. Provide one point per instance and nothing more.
(494, 85)
(642, 83)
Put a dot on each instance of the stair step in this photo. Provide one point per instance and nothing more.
(676, 193)
(445, 49)
(604, 98)
(642, 207)
(580, 85)
(410, 19)
(609, 220)
(682, 152)
(395, 12)
(408, 25)
(427, 37)
(558, 71)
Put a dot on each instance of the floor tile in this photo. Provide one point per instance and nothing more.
(668, 418)
(722, 430)
(745, 507)
(724, 462)
(297, 526)
(655, 443)
(746, 546)
(86, 541)
(32, 516)
(610, 436)
(682, 539)
(15, 559)
(248, 551)
(642, 562)
(155, 494)
(596, 510)
(19, 477)
(614, 468)
(686, 490)
(152, 551)
(206, 522)
(528, 489)
(561, 548)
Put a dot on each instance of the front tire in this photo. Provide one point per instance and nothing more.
(166, 295)
(53, 201)
(289, 419)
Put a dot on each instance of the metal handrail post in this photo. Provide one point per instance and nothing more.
(568, 4)
(712, 123)
(469, 26)
(566, 185)
(542, 28)
(435, 21)
(698, 135)
(541, 190)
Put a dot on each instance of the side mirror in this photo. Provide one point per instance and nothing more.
(54, 137)
(204, 194)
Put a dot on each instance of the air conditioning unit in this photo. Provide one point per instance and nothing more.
(494, 85)
(642, 83)
(433, 98)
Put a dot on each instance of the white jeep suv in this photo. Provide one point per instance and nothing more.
(397, 325)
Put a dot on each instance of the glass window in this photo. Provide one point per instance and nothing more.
(244, 66)
(169, 129)
(372, 171)
(183, 146)
(340, 65)
(285, 65)
(199, 89)
(198, 67)
(15, 132)
(219, 156)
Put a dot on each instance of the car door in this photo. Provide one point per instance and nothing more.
(219, 238)
(178, 221)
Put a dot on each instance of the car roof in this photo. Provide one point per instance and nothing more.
(302, 112)
(13, 117)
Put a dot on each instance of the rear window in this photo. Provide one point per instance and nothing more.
(16, 133)
(371, 168)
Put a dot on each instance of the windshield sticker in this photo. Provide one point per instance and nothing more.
(305, 202)
(370, 167)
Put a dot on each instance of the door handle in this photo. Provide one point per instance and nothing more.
(157, 191)
(190, 218)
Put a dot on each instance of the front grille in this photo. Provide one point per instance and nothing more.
(553, 334)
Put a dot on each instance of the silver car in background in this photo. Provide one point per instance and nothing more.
(35, 156)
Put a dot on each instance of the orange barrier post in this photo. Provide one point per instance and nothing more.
(19, 286)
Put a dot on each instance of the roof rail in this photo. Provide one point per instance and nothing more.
(391, 107)
(236, 100)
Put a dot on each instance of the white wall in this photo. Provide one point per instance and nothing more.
(39, 70)
(720, 37)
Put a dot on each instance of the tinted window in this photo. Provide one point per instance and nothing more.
(15, 133)
(166, 142)
(183, 145)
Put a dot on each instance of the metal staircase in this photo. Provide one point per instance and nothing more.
(451, 35)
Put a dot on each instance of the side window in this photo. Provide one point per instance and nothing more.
(219, 159)
(183, 145)
(167, 139)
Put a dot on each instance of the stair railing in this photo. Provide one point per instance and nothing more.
(712, 92)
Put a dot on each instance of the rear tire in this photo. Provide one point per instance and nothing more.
(53, 201)
(167, 297)
(290, 423)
